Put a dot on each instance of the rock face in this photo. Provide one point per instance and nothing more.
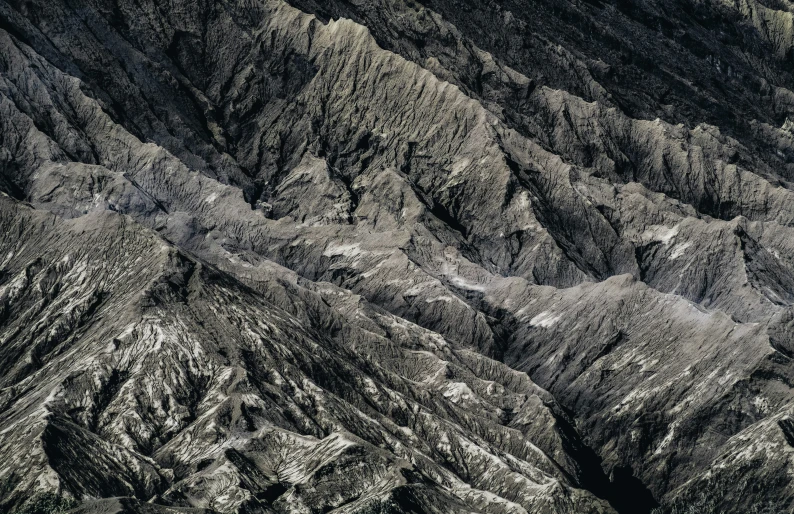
(383, 256)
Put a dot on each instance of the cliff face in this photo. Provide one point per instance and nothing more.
(397, 256)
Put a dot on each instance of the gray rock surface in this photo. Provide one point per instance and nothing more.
(391, 256)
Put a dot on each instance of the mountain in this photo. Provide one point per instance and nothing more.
(386, 256)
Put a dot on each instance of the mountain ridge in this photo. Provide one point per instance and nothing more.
(391, 210)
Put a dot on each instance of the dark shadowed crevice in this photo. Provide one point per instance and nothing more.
(625, 492)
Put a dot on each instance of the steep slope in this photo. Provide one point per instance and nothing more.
(289, 251)
(167, 379)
